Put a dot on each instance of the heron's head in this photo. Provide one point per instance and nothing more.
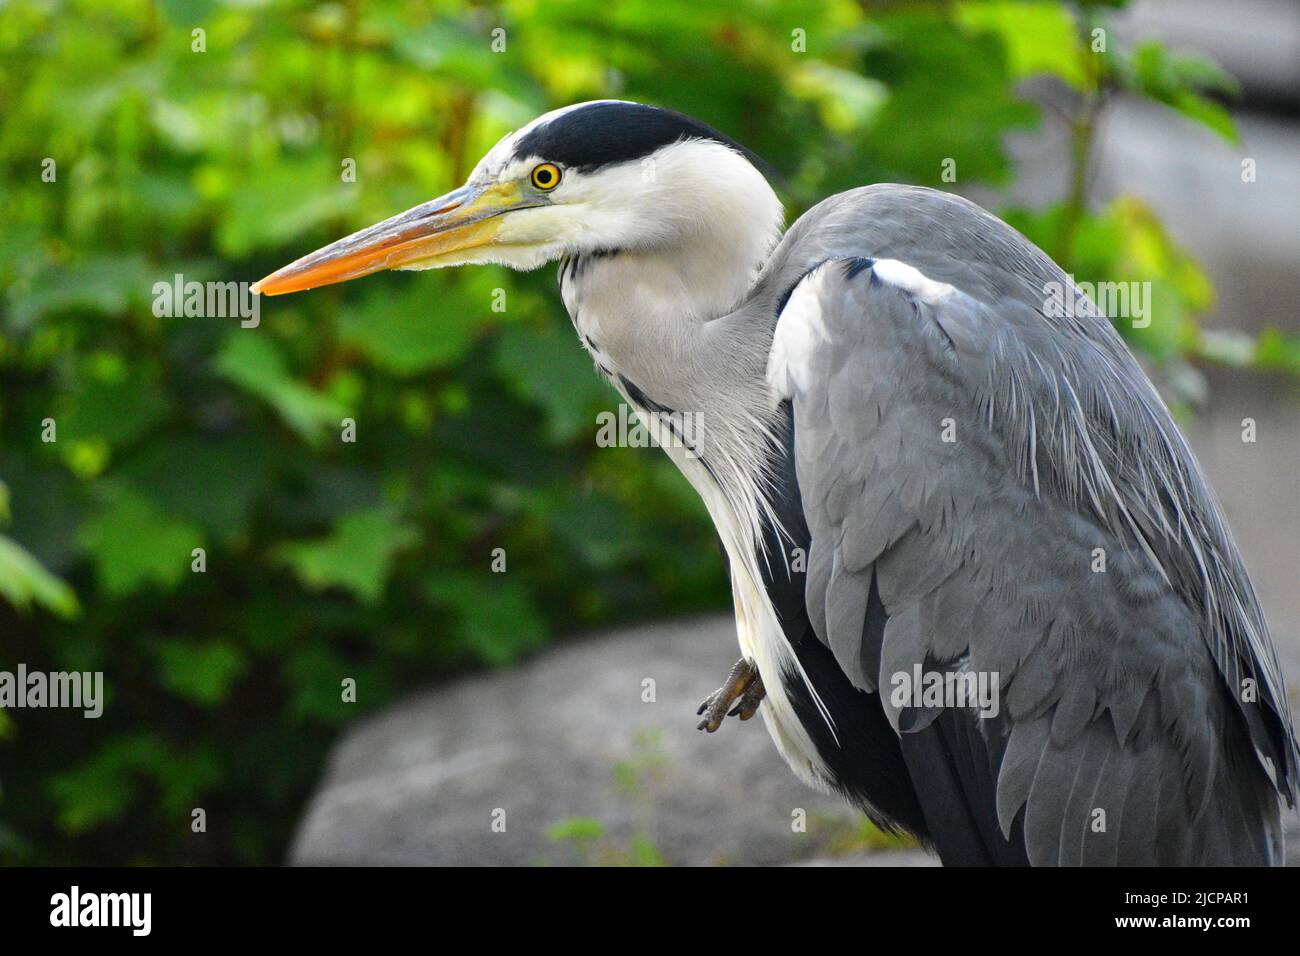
(606, 175)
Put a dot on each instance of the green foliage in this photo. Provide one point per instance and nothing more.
(200, 672)
(838, 836)
(577, 830)
(639, 779)
(24, 582)
(357, 556)
(328, 560)
(132, 544)
(588, 845)
(256, 365)
(1179, 82)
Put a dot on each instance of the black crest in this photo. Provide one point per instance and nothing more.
(601, 134)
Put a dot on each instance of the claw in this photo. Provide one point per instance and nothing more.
(743, 687)
(747, 706)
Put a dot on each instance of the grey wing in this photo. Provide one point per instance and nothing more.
(1018, 502)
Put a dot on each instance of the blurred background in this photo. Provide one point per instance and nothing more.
(214, 140)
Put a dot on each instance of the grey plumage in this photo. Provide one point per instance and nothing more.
(1121, 688)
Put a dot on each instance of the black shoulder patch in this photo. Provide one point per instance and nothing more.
(857, 265)
(602, 134)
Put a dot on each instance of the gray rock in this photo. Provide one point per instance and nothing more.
(563, 745)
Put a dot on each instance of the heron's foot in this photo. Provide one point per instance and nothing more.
(743, 688)
(747, 706)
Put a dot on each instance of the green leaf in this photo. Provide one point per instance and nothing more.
(133, 544)
(254, 363)
(1277, 351)
(102, 787)
(929, 60)
(1198, 72)
(643, 852)
(278, 206)
(1038, 37)
(1273, 350)
(497, 618)
(316, 674)
(1177, 82)
(24, 582)
(578, 830)
(846, 101)
(357, 556)
(200, 671)
(411, 331)
(1208, 113)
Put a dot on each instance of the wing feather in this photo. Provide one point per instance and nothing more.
(976, 465)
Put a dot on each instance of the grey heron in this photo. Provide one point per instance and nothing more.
(917, 470)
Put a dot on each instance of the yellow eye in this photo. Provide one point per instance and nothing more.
(546, 176)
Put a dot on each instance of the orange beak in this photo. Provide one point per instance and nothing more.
(439, 232)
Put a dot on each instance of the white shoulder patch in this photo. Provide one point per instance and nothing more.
(799, 330)
(801, 327)
(912, 281)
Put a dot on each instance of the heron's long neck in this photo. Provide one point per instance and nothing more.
(679, 332)
(661, 325)
(644, 312)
